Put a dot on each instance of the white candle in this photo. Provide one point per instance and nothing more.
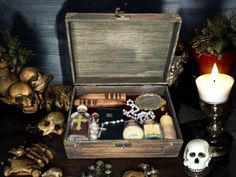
(214, 88)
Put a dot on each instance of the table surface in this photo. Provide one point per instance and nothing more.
(13, 133)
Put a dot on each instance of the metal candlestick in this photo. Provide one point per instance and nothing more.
(214, 133)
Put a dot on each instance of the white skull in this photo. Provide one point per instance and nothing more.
(52, 123)
(197, 155)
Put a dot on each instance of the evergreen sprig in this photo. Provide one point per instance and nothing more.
(13, 51)
(217, 36)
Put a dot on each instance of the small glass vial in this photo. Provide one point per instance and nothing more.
(152, 129)
(132, 130)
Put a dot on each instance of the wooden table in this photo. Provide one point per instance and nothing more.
(13, 133)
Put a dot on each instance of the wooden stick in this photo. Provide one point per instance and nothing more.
(99, 103)
(97, 96)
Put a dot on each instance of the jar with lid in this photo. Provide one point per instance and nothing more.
(132, 130)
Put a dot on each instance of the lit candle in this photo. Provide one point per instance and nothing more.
(214, 88)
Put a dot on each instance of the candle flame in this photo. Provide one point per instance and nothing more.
(214, 73)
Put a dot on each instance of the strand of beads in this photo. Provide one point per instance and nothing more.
(107, 123)
(112, 122)
(136, 114)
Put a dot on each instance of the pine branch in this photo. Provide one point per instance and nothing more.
(13, 52)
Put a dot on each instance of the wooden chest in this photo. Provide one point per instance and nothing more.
(131, 54)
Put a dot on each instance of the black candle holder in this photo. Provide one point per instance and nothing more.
(220, 145)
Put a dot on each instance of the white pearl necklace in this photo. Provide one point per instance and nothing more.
(112, 122)
(134, 113)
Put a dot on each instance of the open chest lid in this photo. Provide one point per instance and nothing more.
(134, 49)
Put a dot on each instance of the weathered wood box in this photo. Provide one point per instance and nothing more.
(129, 54)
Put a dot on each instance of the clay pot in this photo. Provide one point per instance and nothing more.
(224, 62)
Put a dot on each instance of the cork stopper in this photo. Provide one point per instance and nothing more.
(82, 108)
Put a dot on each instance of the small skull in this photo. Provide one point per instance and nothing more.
(132, 173)
(57, 97)
(53, 172)
(28, 160)
(52, 123)
(197, 155)
(21, 95)
(21, 167)
(35, 79)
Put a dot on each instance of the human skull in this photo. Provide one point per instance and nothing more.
(52, 123)
(197, 155)
(21, 95)
(37, 81)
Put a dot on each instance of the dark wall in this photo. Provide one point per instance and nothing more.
(40, 23)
